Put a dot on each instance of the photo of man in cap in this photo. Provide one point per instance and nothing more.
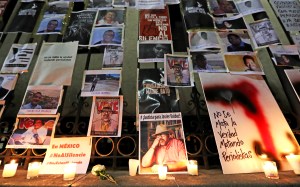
(165, 150)
(178, 76)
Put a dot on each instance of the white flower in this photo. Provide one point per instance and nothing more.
(97, 168)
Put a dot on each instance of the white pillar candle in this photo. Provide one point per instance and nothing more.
(33, 169)
(270, 169)
(193, 167)
(294, 161)
(133, 165)
(162, 172)
(10, 169)
(69, 171)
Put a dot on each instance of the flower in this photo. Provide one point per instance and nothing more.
(100, 170)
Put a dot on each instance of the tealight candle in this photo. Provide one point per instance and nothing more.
(10, 169)
(270, 169)
(33, 169)
(162, 172)
(294, 161)
(69, 171)
(193, 167)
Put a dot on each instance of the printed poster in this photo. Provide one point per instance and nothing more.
(158, 131)
(51, 24)
(223, 7)
(178, 70)
(123, 3)
(155, 24)
(150, 4)
(26, 17)
(203, 40)
(288, 11)
(208, 62)
(33, 132)
(111, 16)
(80, 27)
(285, 55)
(41, 100)
(247, 122)
(113, 57)
(233, 22)
(153, 95)
(101, 83)
(154, 51)
(67, 150)
(106, 117)
(247, 7)
(55, 64)
(7, 84)
(18, 58)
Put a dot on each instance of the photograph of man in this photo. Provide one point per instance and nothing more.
(288, 60)
(250, 63)
(243, 64)
(247, 7)
(53, 25)
(94, 83)
(110, 17)
(237, 44)
(34, 101)
(200, 63)
(107, 36)
(223, 7)
(153, 52)
(178, 75)
(165, 150)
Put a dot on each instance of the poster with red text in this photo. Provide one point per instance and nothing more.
(247, 122)
(67, 150)
(155, 24)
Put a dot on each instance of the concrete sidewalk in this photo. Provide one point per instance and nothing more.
(213, 178)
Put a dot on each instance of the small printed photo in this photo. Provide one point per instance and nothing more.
(101, 83)
(51, 25)
(285, 55)
(7, 84)
(263, 33)
(222, 7)
(235, 41)
(107, 36)
(110, 17)
(113, 57)
(124, 3)
(294, 78)
(153, 51)
(234, 22)
(106, 117)
(247, 7)
(33, 132)
(178, 70)
(41, 100)
(59, 7)
(203, 40)
(155, 136)
(99, 4)
(247, 63)
(208, 62)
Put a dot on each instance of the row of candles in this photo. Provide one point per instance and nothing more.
(34, 169)
(269, 167)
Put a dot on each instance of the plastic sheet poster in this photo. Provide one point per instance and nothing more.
(80, 27)
(7, 82)
(26, 17)
(55, 64)
(294, 78)
(106, 117)
(178, 71)
(153, 95)
(41, 100)
(288, 11)
(150, 4)
(18, 58)
(101, 83)
(247, 122)
(33, 131)
(67, 150)
(247, 7)
(155, 24)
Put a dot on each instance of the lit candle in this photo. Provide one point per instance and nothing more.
(33, 169)
(10, 169)
(193, 167)
(270, 169)
(69, 171)
(162, 172)
(294, 161)
(133, 165)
